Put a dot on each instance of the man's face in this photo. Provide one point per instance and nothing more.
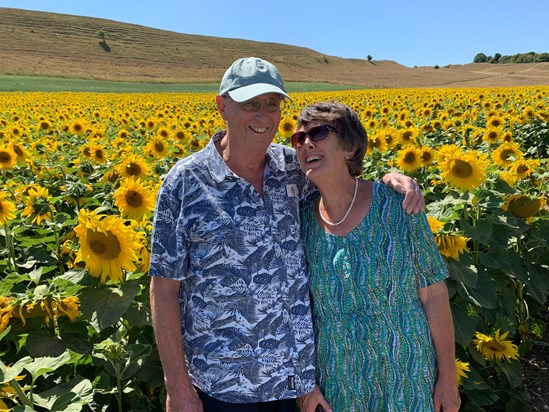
(253, 123)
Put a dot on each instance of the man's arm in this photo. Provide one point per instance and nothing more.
(166, 316)
(414, 202)
(310, 401)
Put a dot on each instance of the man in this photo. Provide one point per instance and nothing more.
(228, 265)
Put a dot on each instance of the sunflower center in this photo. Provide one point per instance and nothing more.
(495, 345)
(17, 150)
(522, 169)
(409, 157)
(5, 157)
(461, 168)
(159, 147)
(133, 198)
(106, 246)
(99, 154)
(133, 169)
(507, 154)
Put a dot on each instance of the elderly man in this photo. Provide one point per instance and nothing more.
(229, 294)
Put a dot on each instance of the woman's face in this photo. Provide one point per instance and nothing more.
(319, 153)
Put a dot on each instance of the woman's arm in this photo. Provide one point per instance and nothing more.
(436, 302)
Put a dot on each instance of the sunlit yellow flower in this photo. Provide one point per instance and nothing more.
(495, 122)
(21, 153)
(163, 133)
(451, 245)
(427, 156)
(157, 147)
(409, 158)
(506, 154)
(7, 208)
(524, 206)
(78, 127)
(98, 154)
(133, 166)
(376, 142)
(461, 368)
(287, 127)
(107, 246)
(8, 158)
(495, 347)
(408, 136)
(38, 205)
(447, 151)
(434, 224)
(134, 199)
(465, 170)
(7, 310)
(524, 167)
(492, 135)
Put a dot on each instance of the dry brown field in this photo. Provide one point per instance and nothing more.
(47, 44)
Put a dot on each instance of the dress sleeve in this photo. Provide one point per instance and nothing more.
(426, 258)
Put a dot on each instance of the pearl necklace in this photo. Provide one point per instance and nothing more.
(346, 214)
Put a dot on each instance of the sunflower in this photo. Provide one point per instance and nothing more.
(451, 246)
(427, 156)
(506, 154)
(461, 368)
(434, 224)
(390, 136)
(98, 154)
(408, 136)
(157, 148)
(495, 122)
(133, 166)
(8, 158)
(78, 127)
(163, 133)
(107, 245)
(447, 151)
(496, 347)
(523, 168)
(376, 141)
(7, 310)
(38, 205)
(287, 127)
(134, 199)
(492, 135)
(6, 209)
(464, 170)
(20, 151)
(524, 206)
(409, 158)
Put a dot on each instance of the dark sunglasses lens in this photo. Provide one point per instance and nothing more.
(318, 133)
(298, 138)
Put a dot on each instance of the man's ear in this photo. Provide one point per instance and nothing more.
(220, 101)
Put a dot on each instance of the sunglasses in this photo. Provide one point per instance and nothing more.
(316, 134)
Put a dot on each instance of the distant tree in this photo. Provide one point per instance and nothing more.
(437, 66)
(497, 56)
(525, 58)
(480, 58)
(369, 58)
(101, 35)
(505, 59)
(542, 57)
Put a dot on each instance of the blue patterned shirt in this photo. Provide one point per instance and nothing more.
(244, 294)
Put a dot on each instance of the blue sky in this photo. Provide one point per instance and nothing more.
(410, 32)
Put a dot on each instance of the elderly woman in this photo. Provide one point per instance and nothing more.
(383, 327)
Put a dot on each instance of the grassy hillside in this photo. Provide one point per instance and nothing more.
(57, 45)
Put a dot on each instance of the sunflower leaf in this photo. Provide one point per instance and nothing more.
(104, 306)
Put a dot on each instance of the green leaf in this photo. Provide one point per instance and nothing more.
(66, 397)
(513, 371)
(41, 343)
(464, 325)
(8, 374)
(104, 306)
(40, 366)
(458, 271)
(481, 232)
(137, 354)
(538, 287)
(485, 291)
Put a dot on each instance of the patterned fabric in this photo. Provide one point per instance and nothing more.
(373, 345)
(244, 297)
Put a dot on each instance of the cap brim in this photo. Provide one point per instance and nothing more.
(245, 93)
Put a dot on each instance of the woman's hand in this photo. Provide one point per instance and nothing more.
(446, 397)
(414, 202)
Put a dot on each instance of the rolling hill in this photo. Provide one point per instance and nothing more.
(47, 44)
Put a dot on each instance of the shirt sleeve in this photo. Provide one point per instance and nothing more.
(426, 258)
(168, 254)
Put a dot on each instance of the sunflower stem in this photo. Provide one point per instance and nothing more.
(10, 247)
(25, 400)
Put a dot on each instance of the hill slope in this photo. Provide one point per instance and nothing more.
(48, 44)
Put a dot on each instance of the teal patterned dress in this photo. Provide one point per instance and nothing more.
(373, 345)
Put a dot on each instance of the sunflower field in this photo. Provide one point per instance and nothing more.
(79, 175)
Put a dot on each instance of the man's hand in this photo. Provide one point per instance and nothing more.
(414, 202)
(309, 401)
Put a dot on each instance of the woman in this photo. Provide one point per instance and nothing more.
(383, 327)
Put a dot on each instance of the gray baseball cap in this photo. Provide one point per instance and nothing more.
(250, 77)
